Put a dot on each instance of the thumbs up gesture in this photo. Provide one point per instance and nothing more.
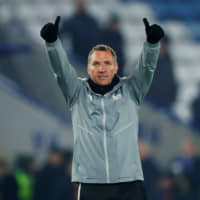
(154, 32)
(49, 32)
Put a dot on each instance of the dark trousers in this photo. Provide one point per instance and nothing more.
(119, 191)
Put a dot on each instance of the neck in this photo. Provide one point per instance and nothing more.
(103, 89)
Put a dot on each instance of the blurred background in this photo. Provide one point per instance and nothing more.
(36, 140)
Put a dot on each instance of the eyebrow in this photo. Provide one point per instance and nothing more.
(97, 62)
(107, 61)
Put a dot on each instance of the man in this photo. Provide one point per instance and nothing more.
(104, 108)
(163, 91)
(78, 28)
(8, 185)
(112, 36)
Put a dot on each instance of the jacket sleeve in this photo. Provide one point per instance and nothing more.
(65, 74)
(140, 80)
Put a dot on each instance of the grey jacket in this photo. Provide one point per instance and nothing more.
(105, 127)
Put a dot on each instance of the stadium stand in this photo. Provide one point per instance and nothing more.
(23, 60)
(178, 17)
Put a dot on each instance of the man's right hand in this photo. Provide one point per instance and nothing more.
(154, 32)
(49, 32)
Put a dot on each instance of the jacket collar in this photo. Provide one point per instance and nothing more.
(102, 90)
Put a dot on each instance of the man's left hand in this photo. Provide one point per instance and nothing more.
(154, 32)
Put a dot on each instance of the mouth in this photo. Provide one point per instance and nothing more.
(102, 77)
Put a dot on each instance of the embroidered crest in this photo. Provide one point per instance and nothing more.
(90, 97)
(116, 96)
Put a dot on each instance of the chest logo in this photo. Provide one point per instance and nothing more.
(90, 97)
(116, 97)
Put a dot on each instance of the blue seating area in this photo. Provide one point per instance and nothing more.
(180, 18)
(172, 1)
(177, 11)
(195, 30)
(184, 11)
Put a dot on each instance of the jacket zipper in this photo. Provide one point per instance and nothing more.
(105, 141)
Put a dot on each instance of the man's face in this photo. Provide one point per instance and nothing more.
(102, 67)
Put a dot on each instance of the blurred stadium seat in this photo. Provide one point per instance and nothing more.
(180, 19)
(23, 56)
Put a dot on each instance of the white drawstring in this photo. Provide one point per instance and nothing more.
(79, 191)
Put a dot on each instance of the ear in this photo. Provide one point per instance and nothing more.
(88, 69)
(116, 69)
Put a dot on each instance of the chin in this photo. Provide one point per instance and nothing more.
(103, 83)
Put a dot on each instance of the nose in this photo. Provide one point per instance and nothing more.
(102, 68)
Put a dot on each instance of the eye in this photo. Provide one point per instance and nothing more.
(107, 62)
(95, 64)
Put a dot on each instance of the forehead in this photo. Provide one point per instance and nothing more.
(98, 55)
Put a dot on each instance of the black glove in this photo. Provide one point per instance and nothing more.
(49, 32)
(154, 32)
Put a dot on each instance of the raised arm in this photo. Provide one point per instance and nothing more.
(141, 78)
(65, 74)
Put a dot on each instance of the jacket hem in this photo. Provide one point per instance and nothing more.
(104, 181)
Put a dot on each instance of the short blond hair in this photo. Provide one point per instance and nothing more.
(102, 47)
